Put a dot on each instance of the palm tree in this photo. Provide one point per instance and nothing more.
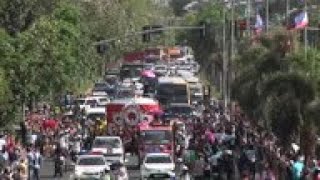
(256, 65)
(269, 87)
(287, 96)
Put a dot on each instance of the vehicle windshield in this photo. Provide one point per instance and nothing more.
(106, 143)
(92, 161)
(80, 101)
(186, 110)
(111, 80)
(124, 93)
(160, 68)
(128, 71)
(103, 100)
(99, 85)
(174, 56)
(172, 89)
(158, 159)
(96, 116)
(156, 136)
(194, 90)
(91, 102)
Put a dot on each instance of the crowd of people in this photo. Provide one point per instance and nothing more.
(42, 135)
(222, 144)
(226, 145)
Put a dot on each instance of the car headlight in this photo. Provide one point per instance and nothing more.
(172, 174)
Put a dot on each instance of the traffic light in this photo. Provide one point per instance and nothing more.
(146, 35)
(102, 48)
(157, 28)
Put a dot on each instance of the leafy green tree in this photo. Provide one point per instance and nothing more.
(272, 84)
(17, 16)
(46, 47)
(178, 6)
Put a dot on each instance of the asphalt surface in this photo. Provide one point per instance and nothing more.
(47, 170)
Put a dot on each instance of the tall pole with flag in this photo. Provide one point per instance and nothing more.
(232, 49)
(248, 17)
(267, 16)
(287, 11)
(305, 32)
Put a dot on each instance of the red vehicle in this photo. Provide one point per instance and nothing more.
(155, 138)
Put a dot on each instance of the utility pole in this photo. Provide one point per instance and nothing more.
(287, 11)
(267, 15)
(249, 17)
(305, 34)
(225, 61)
(232, 49)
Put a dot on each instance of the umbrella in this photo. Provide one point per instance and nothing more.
(148, 73)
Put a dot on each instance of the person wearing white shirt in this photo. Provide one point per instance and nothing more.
(4, 157)
(37, 164)
(30, 157)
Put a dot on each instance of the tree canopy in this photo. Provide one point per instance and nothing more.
(46, 47)
(278, 88)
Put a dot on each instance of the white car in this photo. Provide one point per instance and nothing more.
(157, 165)
(110, 146)
(91, 166)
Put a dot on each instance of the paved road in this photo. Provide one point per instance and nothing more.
(47, 171)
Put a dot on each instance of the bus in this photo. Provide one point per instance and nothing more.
(196, 89)
(171, 89)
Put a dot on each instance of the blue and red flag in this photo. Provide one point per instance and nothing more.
(301, 20)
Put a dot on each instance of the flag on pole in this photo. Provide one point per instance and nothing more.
(301, 20)
(258, 26)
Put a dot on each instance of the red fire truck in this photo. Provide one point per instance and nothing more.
(155, 137)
